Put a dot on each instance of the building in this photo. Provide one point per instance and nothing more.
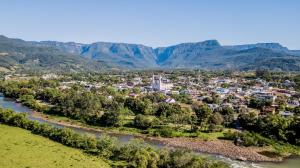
(213, 106)
(265, 96)
(137, 81)
(7, 77)
(157, 84)
(293, 103)
(170, 100)
(49, 76)
(267, 110)
(222, 91)
(286, 114)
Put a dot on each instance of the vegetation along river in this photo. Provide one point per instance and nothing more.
(288, 163)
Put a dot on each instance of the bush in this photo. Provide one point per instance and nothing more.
(5, 115)
(185, 159)
(215, 128)
(164, 132)
(139, 154)
(246, 138)
(111, 119)
(142, 122)
(17, 120)
(106, 146)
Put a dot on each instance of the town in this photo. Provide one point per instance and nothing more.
(150, 84)
(191, 109)
(236, 92)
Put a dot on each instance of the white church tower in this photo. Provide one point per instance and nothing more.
(158, 85)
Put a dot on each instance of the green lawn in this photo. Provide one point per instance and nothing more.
(21, 149)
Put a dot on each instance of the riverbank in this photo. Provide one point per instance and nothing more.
(218, 147)
(224, 148)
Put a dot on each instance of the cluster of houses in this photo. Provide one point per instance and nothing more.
(234, 92)
(240, 92)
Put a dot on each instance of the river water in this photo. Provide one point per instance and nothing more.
(288, 163)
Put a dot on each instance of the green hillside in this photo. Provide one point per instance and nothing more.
(22, 55)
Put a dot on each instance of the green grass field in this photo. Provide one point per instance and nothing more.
(21, 149)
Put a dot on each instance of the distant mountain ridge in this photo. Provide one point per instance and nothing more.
(271, 46)
(208, 54)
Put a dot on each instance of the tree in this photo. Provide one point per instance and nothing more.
(216, 99)
(143, 122)
(139, 155)
(248, 120)
(106, 146)
(203, 114)
(180, 119)
(263, 73)
(166, 110)
(183, 98)
(112, 118)
(49, 95)
(138, 106)
(217, 119)
(228, 115)
(274, 126)
(297, 110)
(281, 101)
(227, 110)
(297, 82)
(155, 97)
(259, 103)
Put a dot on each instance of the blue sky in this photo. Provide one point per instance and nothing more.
(153, 22)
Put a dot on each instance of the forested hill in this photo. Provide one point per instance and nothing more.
(210, 54)
(22, 55)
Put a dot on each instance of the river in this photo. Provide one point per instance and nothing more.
(288, 163)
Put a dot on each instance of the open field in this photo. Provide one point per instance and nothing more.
(20, 148)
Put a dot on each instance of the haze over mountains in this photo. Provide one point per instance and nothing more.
(210, 54)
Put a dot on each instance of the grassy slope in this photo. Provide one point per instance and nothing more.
(19, 148)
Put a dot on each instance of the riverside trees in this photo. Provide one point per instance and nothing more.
(135, 154)
(273, 126)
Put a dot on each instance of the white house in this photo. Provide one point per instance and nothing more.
(286, 114)
(170, 100)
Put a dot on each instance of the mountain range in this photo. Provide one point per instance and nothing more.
(209, 55)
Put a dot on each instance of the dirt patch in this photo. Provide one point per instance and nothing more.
(225, 148)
